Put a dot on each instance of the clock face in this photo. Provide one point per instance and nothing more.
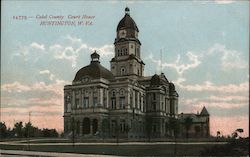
(122, 33)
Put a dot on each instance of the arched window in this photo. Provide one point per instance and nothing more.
(113, 93)
(123, 71)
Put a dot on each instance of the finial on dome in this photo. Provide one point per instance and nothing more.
(127, 10)
(95, 56)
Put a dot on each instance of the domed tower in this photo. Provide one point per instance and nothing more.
(93, 71)
(127, 60)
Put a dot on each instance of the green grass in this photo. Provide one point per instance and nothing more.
(124, 150)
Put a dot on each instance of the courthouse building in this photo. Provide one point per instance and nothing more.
(120, 101)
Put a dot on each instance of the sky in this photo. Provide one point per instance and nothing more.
(204, 44)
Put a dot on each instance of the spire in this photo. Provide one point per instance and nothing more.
(204, 112)
(127, 10)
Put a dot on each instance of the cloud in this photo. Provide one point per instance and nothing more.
(70, 48)
(211, 87)
(44, 72)
(37, 46)
(15, 86)
(105, 50)
(67, 53)
(17, 99)
(224, 1)
(76, 47)
(179, 67)
(56, 88)
(230, 59)
(47, 72)
(31, 52)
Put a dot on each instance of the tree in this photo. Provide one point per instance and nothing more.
(188, 121)
(236, 133)
(218, 134)
(18, 129)
(3, 130)
(31, 131)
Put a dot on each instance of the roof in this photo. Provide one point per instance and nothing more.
(93, 71)
(204, 112)
(132, 56)
(171, 86)
(195, 118)
(155, 80)
(95, 55)
(127, 22)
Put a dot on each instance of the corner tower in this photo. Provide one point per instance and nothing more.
(127, 60)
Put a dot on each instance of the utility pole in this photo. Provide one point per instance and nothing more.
(73, 131)
(28, 134)
(161, 59)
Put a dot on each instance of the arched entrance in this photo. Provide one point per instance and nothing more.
(95, 126)
(86, 126)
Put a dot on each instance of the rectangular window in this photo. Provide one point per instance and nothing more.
(113, 126)
(154, 106)
(77, 103)
(122, 126)
(104, 102)
(85, 102)
(94, 101)
(113, 103)
(122, 102)
(140, 98)
(154, 96)
(136, 99)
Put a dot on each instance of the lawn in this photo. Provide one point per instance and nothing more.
(124, 150)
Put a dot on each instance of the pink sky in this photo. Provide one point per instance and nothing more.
(226, 125)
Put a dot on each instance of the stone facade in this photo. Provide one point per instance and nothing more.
(121, 102)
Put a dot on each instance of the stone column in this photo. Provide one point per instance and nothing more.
(80, 121)
(73, 99)
(91, 126)
(138, 100)
(80, 99)
(133, 99)
(91, 97)
(107, 98)
(101, 96)
(127, 100)
(142, 100)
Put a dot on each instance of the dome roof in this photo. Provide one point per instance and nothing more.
(127, 22)
(94, 70)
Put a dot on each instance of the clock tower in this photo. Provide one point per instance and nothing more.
(127, 60)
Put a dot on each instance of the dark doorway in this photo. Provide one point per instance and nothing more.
(77, 127)
(95, 126)
(86, 126)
